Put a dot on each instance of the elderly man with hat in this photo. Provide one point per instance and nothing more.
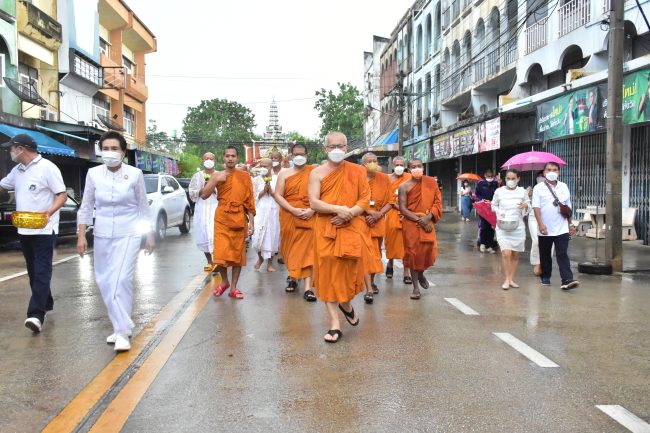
(39, 187)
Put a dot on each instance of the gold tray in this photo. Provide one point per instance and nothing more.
(29, 220)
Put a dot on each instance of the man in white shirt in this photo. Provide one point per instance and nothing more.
(553, 227)
(38, 187)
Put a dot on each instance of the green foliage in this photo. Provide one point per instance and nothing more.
(217, 123)
(315, 152)
(159, 141)
(189, 162)
(341, 111)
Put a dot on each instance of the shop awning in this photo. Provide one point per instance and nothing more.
(46, 144)
(386, 142)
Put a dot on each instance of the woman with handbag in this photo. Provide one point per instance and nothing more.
(511, 204)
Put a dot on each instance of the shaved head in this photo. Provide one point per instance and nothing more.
(276, 156)
(208, 155)
(368, 157)
(337, 137)
(266, 162)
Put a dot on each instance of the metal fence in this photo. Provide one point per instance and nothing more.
(640, 180)
(536, 35)
(574, 14)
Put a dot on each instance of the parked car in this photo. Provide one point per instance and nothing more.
(185, 184)
(67, 218)
(168, 203)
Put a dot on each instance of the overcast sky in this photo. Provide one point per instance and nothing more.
(251, 51)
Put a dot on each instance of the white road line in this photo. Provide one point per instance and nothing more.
(58, 262)
(525, 350)
(625, 418)
(462, 307)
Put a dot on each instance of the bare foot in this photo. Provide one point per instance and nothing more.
(270, 269)
(258, 264)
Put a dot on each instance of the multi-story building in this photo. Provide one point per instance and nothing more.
(372, 89)
(9, 102)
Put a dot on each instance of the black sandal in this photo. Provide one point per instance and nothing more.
(291, 287)
(368, 298)
(334, 332)
(408, 280)
(424, 282)
(389, 272)
(309, 296)
(349, 316)
(375, 289)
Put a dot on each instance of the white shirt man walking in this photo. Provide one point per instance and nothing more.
(38, 187)
(553, 227)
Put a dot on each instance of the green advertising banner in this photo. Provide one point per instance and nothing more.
(418, 151)
(573, 113)
(636, 107)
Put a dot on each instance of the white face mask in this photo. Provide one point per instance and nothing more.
(552, 176)
(14, 156)
(489, 179)
(512, 184)
(111, 158)
(399, 170)
(336, 155)
(275, 163)
(209, 164)
(300, 160)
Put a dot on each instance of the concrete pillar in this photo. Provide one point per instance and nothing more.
(626, 165)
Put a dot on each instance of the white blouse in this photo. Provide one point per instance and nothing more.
(119, 201)
(505, 203)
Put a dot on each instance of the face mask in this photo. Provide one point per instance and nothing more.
(511, 184)
(112, 158)
(14, 156)
(541, 179)
(276, 163)
(489, 179)
(399, 170)
(552, 176)
(209, 164)
(372, 167)
(300, 160)
(417, 173)
(336, 155)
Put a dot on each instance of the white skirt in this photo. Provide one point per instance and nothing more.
(514, 240)
(204, 223)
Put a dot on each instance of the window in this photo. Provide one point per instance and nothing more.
(28, 78)
(87, 70)
(128, 65)
(129, 121)
(104, 47)
(101, 106)
(172, 182)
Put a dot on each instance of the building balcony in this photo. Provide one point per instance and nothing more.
(136, 88)
(574, 14)
(114, 75)
(479, 69)
(493, 62)
(536, 35)
(466, 78)
(38, 26)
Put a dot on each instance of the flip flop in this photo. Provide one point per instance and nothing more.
(309, 296)
(424, 282)
(415, 296)
(334, 332)
(291, 287)
(368, 298)
(207, 268)
(220, 289)
(349, 316)
(389, 272)
(236, 294)
(408, 280)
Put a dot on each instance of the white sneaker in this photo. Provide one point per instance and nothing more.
(482, 248)
(122, 343)
(34, 324)
(491, 251)
(111, 338)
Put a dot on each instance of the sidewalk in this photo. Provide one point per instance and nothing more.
(636, 256)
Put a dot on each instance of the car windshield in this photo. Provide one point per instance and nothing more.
(151, 184)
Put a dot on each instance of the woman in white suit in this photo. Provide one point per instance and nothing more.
(117, 194)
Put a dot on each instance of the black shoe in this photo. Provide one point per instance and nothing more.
(389, 272)
(309, 296)
(545, 281)
(568, 285)
(291, 286)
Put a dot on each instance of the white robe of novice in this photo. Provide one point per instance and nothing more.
(204, 211)
(266, 238)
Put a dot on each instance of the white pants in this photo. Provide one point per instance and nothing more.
(534, 248)
(115, 260)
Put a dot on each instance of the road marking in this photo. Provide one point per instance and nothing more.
(525, 350)
(70, 417)
(462, 307)
(120, 409)
(625, 418)
(58, 262)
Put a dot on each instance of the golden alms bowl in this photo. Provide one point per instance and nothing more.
(29, 220)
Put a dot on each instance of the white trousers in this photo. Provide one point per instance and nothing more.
(534, 248)
(115, 260)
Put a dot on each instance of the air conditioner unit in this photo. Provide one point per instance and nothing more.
(45, 114)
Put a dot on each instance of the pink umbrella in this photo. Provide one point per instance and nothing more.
(529, 161)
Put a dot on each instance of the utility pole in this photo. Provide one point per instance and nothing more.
(613, 186)
(400, 113)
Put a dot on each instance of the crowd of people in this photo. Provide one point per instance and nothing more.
(328, 224)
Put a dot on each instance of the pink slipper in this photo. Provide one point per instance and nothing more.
(236, 294)
(220, 289)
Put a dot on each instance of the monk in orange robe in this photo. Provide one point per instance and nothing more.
(340, 195)
(233, 220)
(296, 221)
(375, 220)
(420, 202)
(394, 242)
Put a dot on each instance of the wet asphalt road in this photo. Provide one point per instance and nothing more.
(260, 364)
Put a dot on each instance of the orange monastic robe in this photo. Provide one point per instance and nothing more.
(296, 235)
(379, 197)
(421, 248)
(394, 243)
(236, 199)
(339, 251)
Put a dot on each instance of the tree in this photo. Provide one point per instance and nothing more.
(315, 151)
(217, 123)
(342, 111)
(159, 140)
